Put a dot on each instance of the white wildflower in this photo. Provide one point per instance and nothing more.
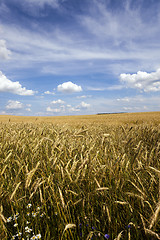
(38, 236)
(29, 205)
(9, 219)
(28, 230)
(33, 237)
(13, 237)
(19, 234)
(34, 214)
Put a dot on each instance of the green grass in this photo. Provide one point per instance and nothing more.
(99, 178)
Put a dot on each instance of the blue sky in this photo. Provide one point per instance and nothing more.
(71, 57)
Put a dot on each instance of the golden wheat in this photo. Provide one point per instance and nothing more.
(83, 176)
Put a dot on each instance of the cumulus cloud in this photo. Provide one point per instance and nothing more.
(7, 85)
(147, 82)
(59, 101)
(28, 109)
(53, 110)
(67, 108)
(73, 109)
(125, 99)
(84, 105)
(4, 52)
(69, 87)
(14, 105)
(62, 109)
(49, 93)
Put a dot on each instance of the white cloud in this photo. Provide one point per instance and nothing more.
(4, 52)
(105, 35)
(63, 109)
(7, 85)
(3, 113)
(96, 89)
(75, 47)
(67, 108)
(110, 88)
(35, 7)
(4, 9)
(73, 109)
(59, 101)
(41, 3)
(69, 87)
(53, 110)
(14, 105)
(122, 26)
(28, 109)
(148, 82)
(84, 105)
(28, 105)
(49, 93)
(128, 108)
(84, 96)
(114, 87)
(125, 99)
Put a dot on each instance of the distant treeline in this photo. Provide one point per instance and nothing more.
(111, 113)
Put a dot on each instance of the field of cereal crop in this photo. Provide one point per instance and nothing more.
(80, 177)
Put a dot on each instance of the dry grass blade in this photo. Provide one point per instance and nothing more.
(119, 236)
(61, 197)
(37, 184)
(3, 170)
(155, 216)
(69, 175)
(122, 203)
(106, 209)
(89, 236)
(129, 234)
(40, 193)
(76, 194)
(134, 195)
(158, 172)
(68, 226)
(77, 201)
(106, 134)
(30, 175)
(81, 132)
(9, 155)
(154, 234)
(154, 169)
(14, 192)
(139, 190)
(142, 221)
(97, 182)
(3, 218)
(3, 229)
(102, 188)
(108, 213)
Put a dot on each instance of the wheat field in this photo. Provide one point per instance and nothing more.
(80, 177)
